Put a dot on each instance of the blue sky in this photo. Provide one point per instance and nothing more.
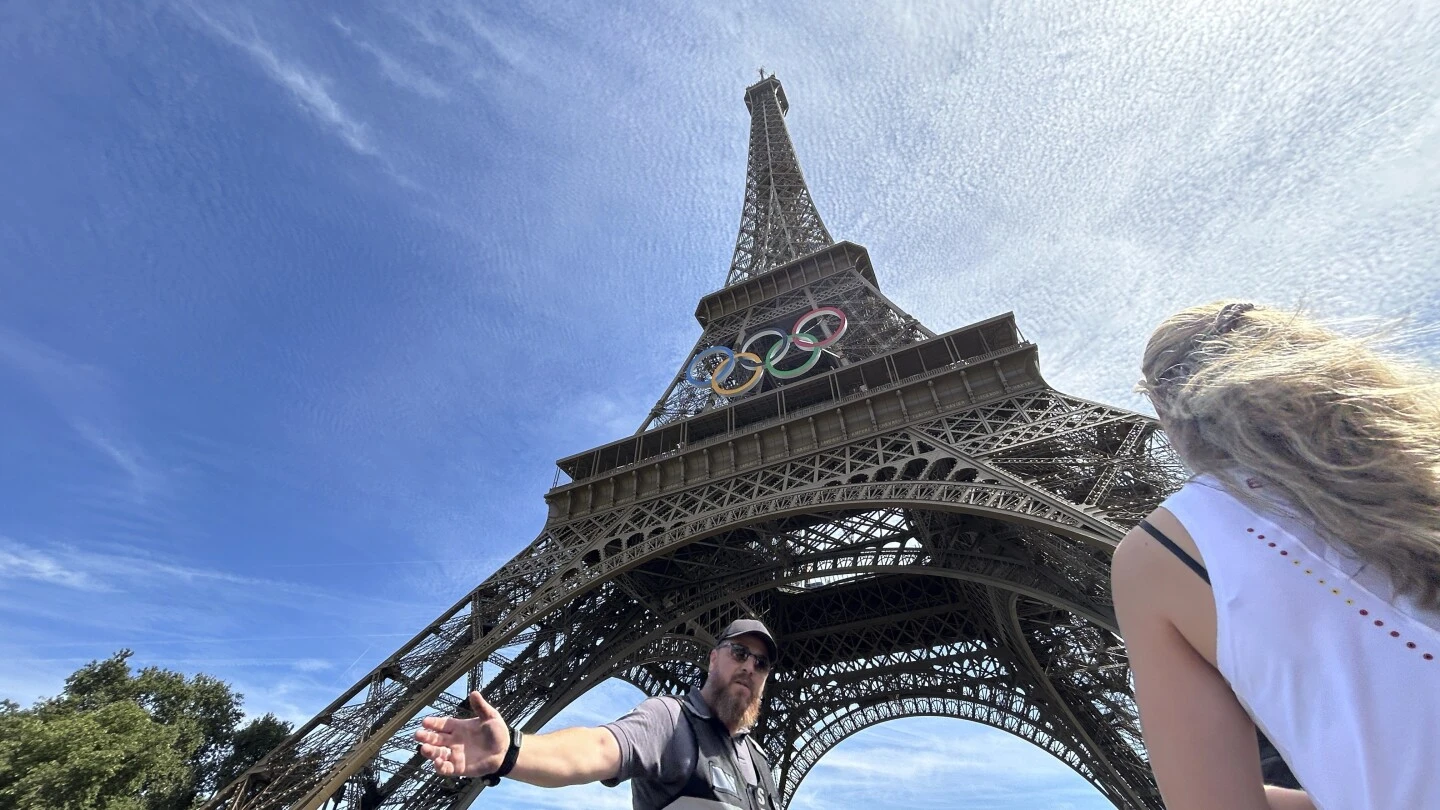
(299, 303)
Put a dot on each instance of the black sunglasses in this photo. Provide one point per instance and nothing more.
(740, 653)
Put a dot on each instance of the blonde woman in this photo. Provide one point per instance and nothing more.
(1294, 582)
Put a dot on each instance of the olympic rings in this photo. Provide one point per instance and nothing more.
(756, 364)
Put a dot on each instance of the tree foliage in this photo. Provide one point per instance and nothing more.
(249, 745)
(119, 740)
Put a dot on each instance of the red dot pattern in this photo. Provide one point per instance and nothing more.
(1363, 612)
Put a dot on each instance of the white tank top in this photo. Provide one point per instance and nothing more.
(1339, 673)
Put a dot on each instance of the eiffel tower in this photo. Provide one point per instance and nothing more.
(924, 523)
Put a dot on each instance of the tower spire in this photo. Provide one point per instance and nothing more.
(778, 221)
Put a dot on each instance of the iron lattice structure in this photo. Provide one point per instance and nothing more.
(778, 221)
(923, 522)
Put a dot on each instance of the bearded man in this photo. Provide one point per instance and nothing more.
(678, 753)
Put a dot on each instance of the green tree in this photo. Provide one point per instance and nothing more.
(112, 758)
(117, 740)
(250, 744)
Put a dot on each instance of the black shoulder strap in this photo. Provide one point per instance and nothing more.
(762, 770)
(1176, 550)
(696, 785)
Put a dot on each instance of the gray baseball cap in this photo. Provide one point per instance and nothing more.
(740, 627)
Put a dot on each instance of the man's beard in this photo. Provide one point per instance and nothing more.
(737, 709)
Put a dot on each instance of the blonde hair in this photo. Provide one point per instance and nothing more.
(1349, 436)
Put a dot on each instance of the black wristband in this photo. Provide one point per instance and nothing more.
(508, 764)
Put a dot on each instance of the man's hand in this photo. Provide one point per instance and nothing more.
(473, 747)
(477, 746)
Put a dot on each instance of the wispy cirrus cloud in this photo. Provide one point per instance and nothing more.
(900, 763)
(70, 603)
(84, 397)
(137, 570)
(145, 477)
(112, 569)
(393, 68)
(18, 561)
(313, 665)
(309, 89)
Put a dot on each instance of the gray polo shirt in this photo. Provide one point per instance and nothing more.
(657, 758)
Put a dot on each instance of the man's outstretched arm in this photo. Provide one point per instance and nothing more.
(570, 756)
(476, 747)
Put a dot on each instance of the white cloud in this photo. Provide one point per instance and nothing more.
(293, 700)
(144, 476)
(934, 762)
(131, 592)
(85, 398)
(313, 665)
(19, 561)
(401, 74)
(311, 90)
(150, 577)
(44, 364)
(521, 796)
(928, 754)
